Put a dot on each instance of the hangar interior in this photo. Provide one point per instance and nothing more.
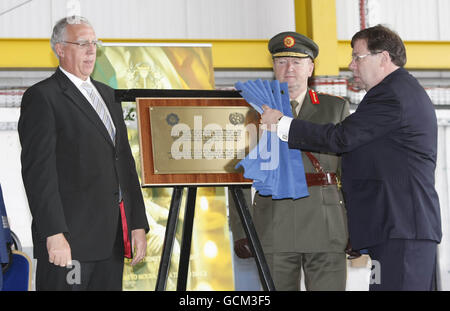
(238, 32)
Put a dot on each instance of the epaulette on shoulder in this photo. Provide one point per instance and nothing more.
(328, 94)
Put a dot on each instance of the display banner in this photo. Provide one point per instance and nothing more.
(169, 66)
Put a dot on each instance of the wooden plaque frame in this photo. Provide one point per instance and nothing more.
(148, 177)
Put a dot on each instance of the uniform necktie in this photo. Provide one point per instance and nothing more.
(294, 105)
(100, 108)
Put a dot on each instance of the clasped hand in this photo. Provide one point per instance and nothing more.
(269, 118)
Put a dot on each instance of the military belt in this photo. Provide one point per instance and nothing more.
(321, 178)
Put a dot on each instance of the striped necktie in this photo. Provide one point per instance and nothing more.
(100, 108)
(294, 105)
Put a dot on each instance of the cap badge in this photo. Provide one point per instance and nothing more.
(289, 41)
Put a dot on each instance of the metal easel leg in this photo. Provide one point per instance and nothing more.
(185, 253)
(250, 231)
(169, 237)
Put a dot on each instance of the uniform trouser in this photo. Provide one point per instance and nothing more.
(102, 275)
(323, 271)
(403, 265)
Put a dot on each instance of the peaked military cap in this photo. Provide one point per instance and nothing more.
(292, 44)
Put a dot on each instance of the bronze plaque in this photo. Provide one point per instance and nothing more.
(195, 141)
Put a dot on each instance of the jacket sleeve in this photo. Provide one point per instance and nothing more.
(344, 114)
(138, 214)
(37, 133)
(377, 115)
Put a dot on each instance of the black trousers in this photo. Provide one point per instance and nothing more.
(103, 275)
(403, 265)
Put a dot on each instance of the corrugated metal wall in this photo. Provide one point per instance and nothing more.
(218, 19)
(180, 19)
(413, 19)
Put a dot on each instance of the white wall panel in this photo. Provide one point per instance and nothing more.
(218, 19)
(347, 18)
(444, 19)
(414, 20)
(245, 19)
(28, 20)
(177, 19)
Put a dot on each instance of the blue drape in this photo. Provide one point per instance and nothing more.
(275, 169)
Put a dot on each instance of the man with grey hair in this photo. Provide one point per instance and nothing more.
(78, 171)
(59, 30)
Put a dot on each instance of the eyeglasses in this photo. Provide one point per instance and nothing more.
(296, 61)
(85, 44)
(358, 58)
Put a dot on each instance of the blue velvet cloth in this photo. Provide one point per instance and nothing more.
(275, 169)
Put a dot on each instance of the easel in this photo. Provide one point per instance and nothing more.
(247, 223)
(174, 211)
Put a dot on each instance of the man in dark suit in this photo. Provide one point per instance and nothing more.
(308, 233)
(78, 171)
(389, 158)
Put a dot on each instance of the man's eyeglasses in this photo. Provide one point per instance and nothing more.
(358, 58)
(85, 44)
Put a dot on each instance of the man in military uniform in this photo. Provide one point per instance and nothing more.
(311, 232)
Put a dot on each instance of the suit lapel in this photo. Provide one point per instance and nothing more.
(109, 101)
(308, 109)
(76, 97)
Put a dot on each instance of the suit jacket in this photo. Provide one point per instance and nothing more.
(316, 223)
(389, 157)
(72, 170)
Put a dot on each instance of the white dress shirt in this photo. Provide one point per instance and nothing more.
(284, 123)
(78, 82)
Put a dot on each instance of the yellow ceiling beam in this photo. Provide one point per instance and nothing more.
(316, 19)
(36, 53)
(428, 55)
(26, 53)
(421, 55)
(227, 54)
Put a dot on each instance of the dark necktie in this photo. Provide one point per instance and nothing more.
(294, 105)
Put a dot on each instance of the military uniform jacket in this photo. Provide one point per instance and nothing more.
(316, 223)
